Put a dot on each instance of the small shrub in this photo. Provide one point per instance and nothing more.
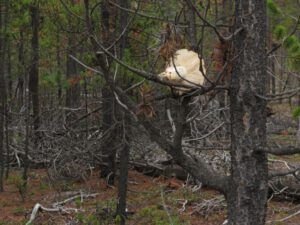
(19, 183)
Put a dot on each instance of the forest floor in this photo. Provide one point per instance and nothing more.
(156, 201)
(150, 200)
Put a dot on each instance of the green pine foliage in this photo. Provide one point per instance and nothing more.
(296, 112)
(283, 18)
(290, 41)
(272, 7)
(295, 48)
(279, 32)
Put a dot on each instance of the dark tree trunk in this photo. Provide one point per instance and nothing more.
(3, 13)
(247, 195)
(121, 207)
(8, 71)
(273, 71)
(8, 94)
(192, 31)
(225, 13)
(73, 91)
(7, 140)
(108, 147)
(33, 84)
(6, 67)
(125, 151)
(123, 19)
(23, 188)
(280, 72)
(21, 70)
(58, 61)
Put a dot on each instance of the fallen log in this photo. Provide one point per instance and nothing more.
(284, 177)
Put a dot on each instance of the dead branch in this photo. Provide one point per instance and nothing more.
(289, 150)
(81, 196)
(38, 207)
(285, 218)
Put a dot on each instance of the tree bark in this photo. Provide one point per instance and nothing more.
(108, 147)
(125, 151)
(122, 189)
(8, 88)
(33, 84)
(192, 31)
(58, 64)
(247, 195)
(73, 91)
(107, 167)
(21, 69)
(3, 14)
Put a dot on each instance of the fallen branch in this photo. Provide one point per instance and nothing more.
(38, 207)
(57, 207)
(81, 196)
(285, 218)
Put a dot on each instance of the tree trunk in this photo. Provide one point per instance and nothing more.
(58, 64)
(9, 83)
(122, 189)
(280, 71)
(108, 147)
(125, 151)
(73, 92)
(108, 151)
(192, 31)
(21, 70)
(273, 71)
(9, 71)
(3, 14)
(33, 84)
(247, 195)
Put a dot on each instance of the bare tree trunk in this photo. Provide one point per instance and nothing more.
(121, 207)
(273, 71)
(125, 151)
(58, 61)
(247, 196)
(7, 141)
(192, 31)
(8, 71)
(21, 70)
(73, 91)
(33, 84)
(108, 149)
(23, 188)
(8, 91)
(3, 12)
(280, 73)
